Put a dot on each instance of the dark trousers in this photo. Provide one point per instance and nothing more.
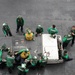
(37, 33)
(65, 44)
(73, 40)
(2, 65)
(22, 73)
(19, 59)
(8, 33)
(10, 69)
(18, 27)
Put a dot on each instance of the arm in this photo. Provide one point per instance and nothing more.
(56, 31)
(42, 30)
(22, 21)
(4, 31)
(1, 55)
(49, 30)
(64, 39)
(20, 51)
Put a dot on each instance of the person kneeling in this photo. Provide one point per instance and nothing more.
(22, 69)
(29, 35)
(66, 56)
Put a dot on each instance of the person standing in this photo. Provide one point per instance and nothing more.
(6, 30)
(20, 23)
(39, 30)
(9, 62)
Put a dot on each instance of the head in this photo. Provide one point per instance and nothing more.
(20, 17)
(27, 50)
(35, 57)
(10, 54)
(28, 31)
(65, 52)
(40, 58)
(69, 35)
(73, 27)
(39, 26)
(53, 26)
(23, 65)
(4, 24)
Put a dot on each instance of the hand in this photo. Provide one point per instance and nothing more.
(73, 34)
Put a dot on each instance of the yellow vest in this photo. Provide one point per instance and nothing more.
(29, 36)
(24, 54)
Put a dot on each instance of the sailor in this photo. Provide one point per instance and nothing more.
(42, 61)
(6, 30)
(52, 30)
(20, 23)
(22, 69)
(10, 62)
(33, 62)
(39, 30)
(66, 39)
(29, 35)
(22, 55)
(66, 56)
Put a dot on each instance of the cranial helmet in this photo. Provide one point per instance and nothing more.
(29, 31)
(23, 65)
(35, 57)
(69, 35)
(39, 25)
(4, 24)
(19, 16)
(26, 50)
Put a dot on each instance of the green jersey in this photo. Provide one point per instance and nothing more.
(66, 56)
(9, 61)
(0, 55)
(52, 31)
(67, 39)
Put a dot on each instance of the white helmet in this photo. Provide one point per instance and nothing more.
(4, 24)
(19, 16)
(23, 65)
(35, 57)
(39, 25)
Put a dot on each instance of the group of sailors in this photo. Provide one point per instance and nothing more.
(23, 57)
(65, 41)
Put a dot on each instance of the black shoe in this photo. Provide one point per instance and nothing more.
(71, 45)
(22, 31)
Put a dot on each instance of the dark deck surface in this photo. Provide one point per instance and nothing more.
(44, 12)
